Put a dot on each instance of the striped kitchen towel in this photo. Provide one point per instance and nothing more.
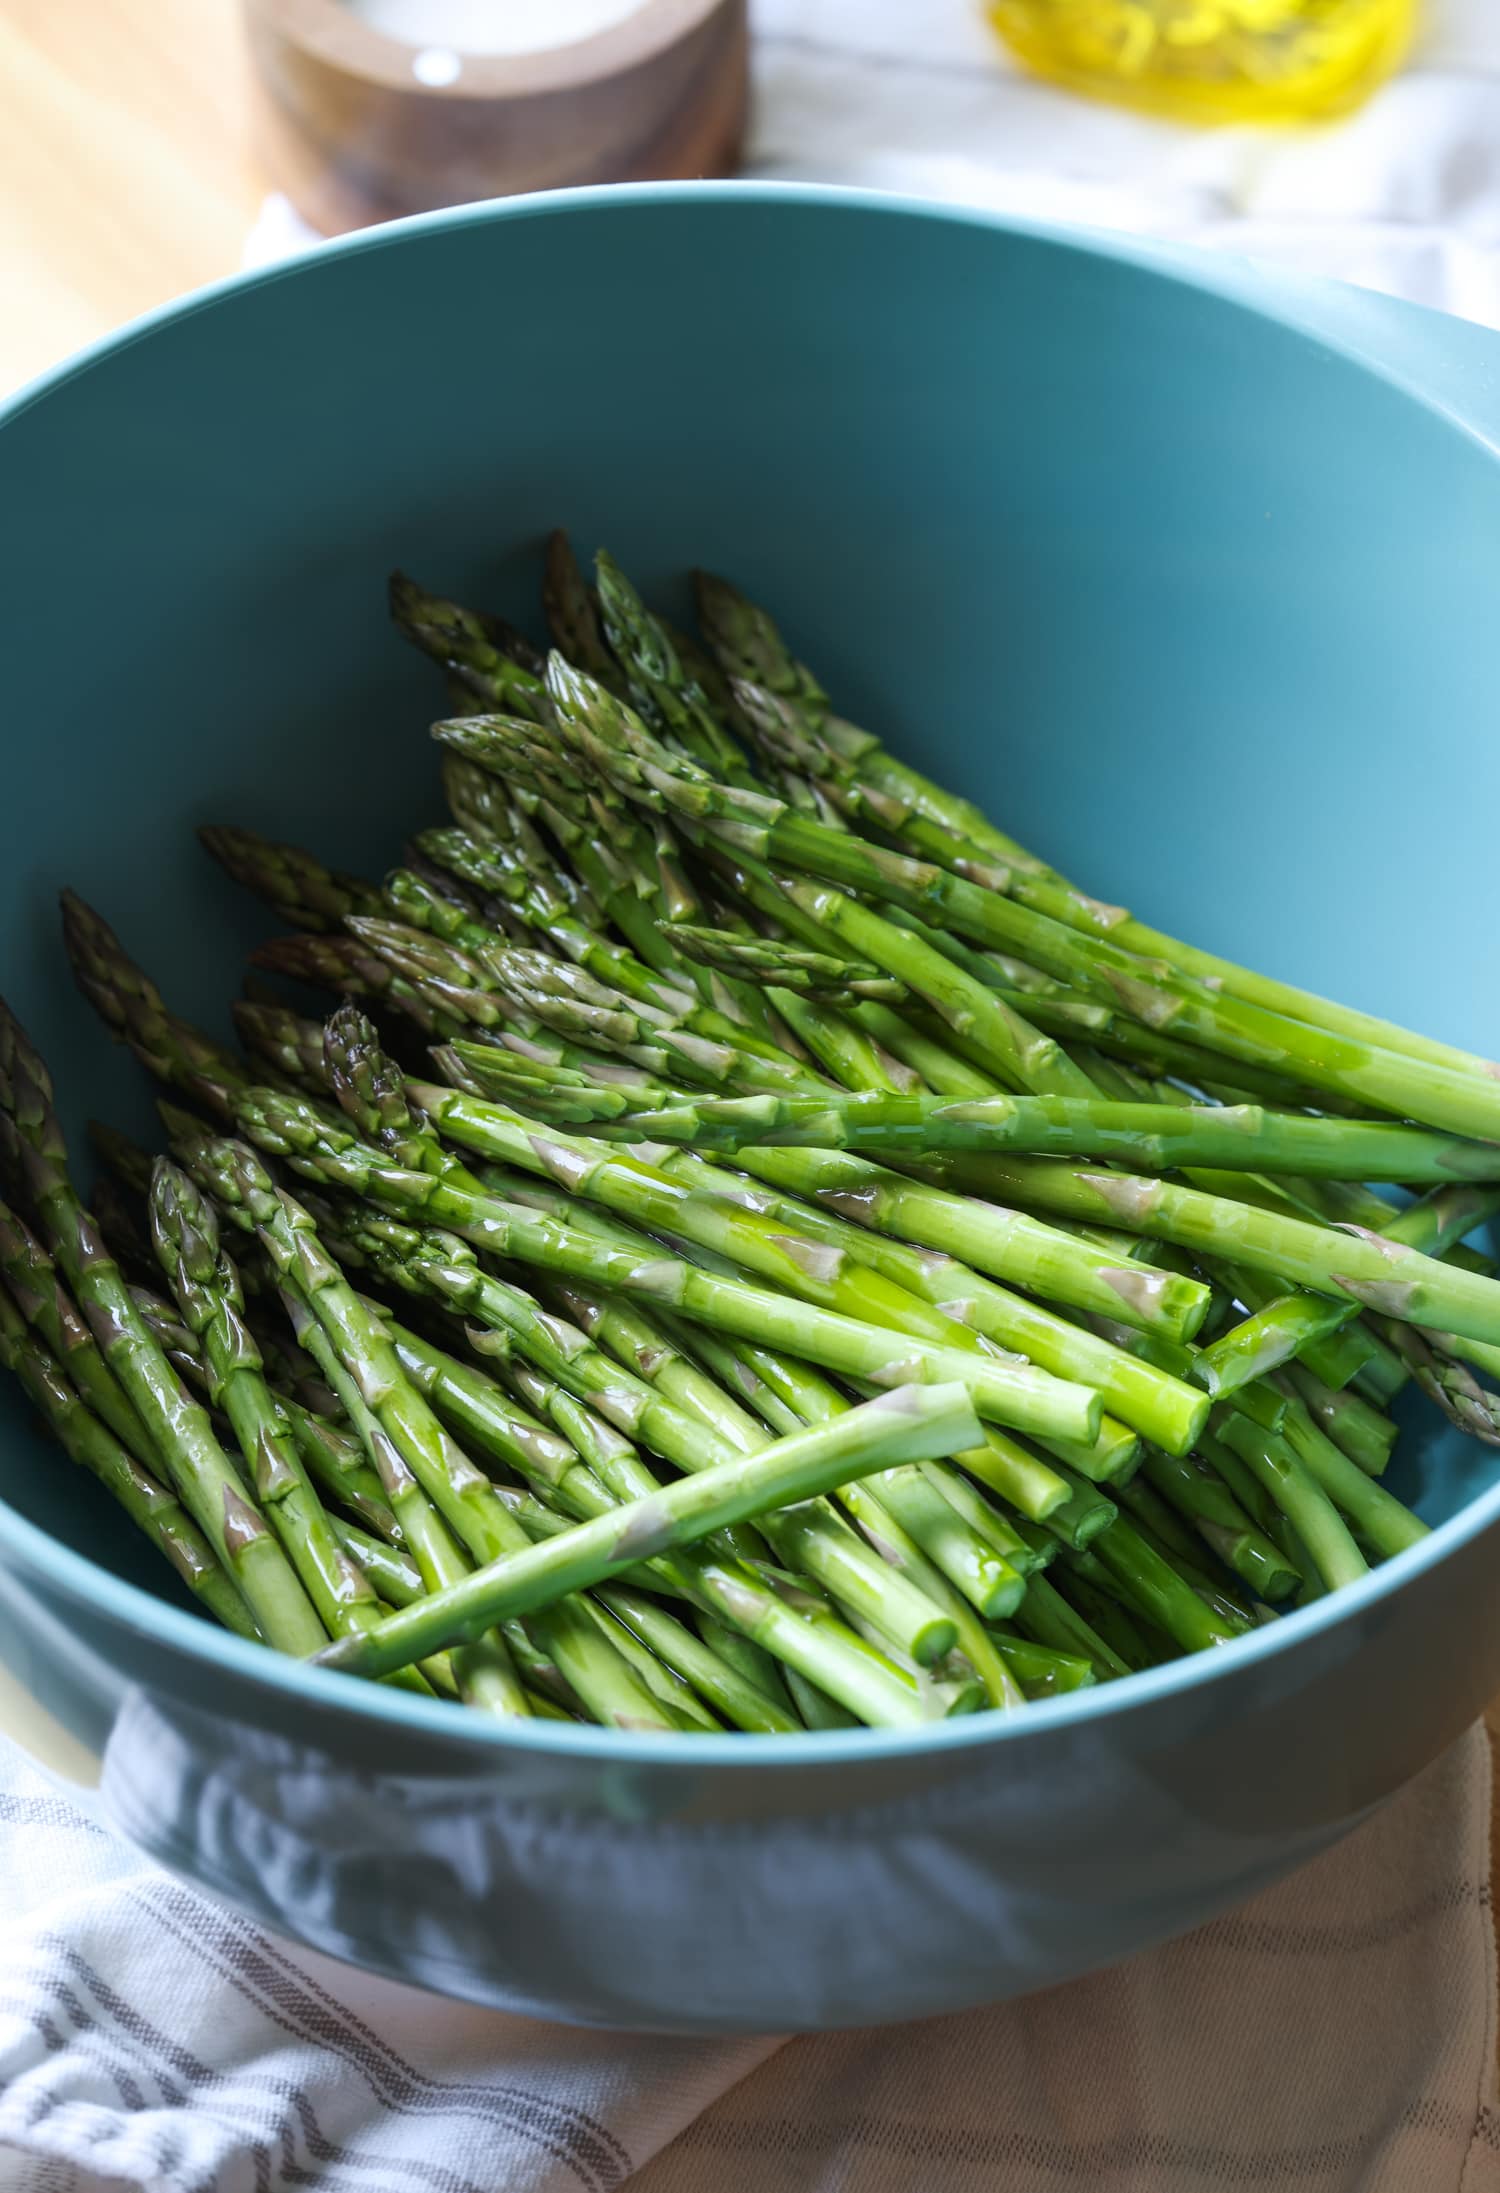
(1337, 2035)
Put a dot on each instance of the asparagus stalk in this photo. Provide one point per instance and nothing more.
(135, 1012)
(823, 1258)
(156, 1512)
(461, 1493)
(604, 734)
(486, 653)
(295, 883)
(617, 971)
(990, 1582)
(571, 1001)
(818, 975)
(1047, 1618)
(397, 1579)
(656, 677)
(1041, 1673)
(1368, 1271)
(1361, 1431)
(1008, 1393)
(1153, 1137)
(750, 649)
(1439, 1363)
(521, 885)
(1289, 1325)
(906, 1424)
(36, 1290)
(484, 1673)
(817, 1269)
(811, 1539)
(747, 1623)
(336, 1463)
(995, 1240)
(821, 1649)
(573, 614)
(205, 1480)
(785, 1392)
(743, 1703)
(1282, 1472)
(207, 1288)
(1127, 1563)
(1381, 1521)
(1222, 1524)
(288, 1047)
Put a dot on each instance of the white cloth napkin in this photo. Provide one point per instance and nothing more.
(1336, 2036)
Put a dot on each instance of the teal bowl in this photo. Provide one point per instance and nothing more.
(1188, 573)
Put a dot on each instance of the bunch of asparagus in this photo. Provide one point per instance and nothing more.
(754, 1248)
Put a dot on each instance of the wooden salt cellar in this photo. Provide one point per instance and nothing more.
(352, 134)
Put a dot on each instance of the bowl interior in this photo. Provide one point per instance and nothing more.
(1197, 608)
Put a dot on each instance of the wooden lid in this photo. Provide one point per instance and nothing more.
(353, 134)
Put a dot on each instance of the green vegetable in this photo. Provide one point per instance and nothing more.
(840, 1274)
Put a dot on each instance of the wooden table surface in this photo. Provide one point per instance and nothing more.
(126, 172)
(127, 175)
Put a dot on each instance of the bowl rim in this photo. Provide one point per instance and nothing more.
(1267, 297)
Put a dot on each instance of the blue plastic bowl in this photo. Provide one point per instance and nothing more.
(1190, 575)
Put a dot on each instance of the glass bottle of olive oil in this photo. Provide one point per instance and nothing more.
(1213, 60)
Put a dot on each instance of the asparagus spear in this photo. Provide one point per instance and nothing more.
(810, 1538)
(742, 1615)
(819, 975)
(36, 1290)
(1156, 1138)
(749, 648)
(573, 614)
(134, 1010)
(524, 891)
(1204, 1499)
(207, 1287)
(205, 1480)
(1370, 1271)
(906, 1424)
(1286, 1324)
(1008, 1393)
(743, 1703)
(373, 1095)
(288, 1047)
(1364, 1434)
(828, 1654)
(656, 677)
(156, 1512)
(604, 734)
(991, 1238)
(779, 1388)
(611, 978)
(822, 1258)
(505, 981)
(486, 653)
(302, 890)
(817, 1271)
(460, 1492)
